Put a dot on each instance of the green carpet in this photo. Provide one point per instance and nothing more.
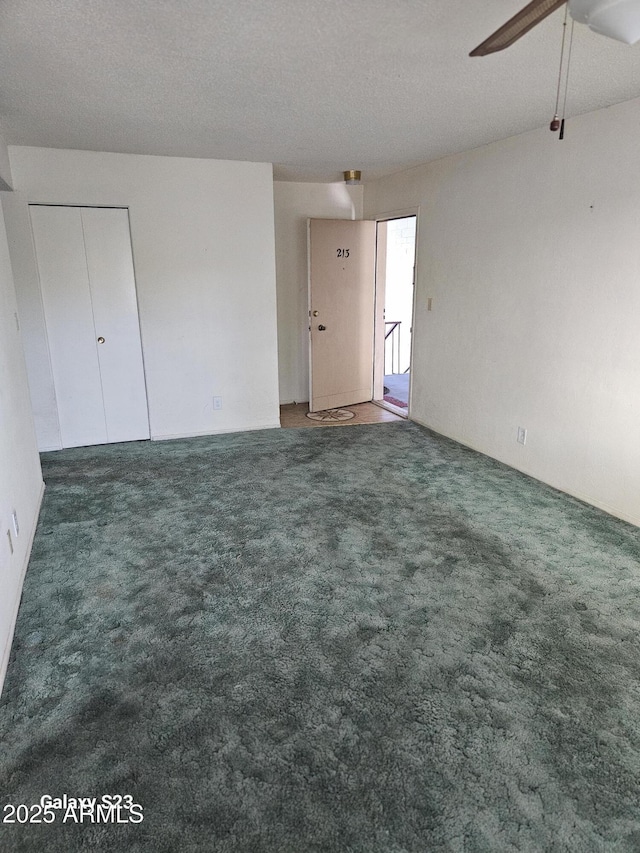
(366, 639)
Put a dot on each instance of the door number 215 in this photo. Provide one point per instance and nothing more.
(342, 253)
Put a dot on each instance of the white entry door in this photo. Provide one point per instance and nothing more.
(89, 299)
(341, 311)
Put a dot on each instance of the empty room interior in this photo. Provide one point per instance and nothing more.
(417, 630)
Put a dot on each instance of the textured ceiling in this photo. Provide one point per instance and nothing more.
(313, 86)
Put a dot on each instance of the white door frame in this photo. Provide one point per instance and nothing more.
(378, 362)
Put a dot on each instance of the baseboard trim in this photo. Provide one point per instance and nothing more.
(250, 428)
(4, 663)
(610, 510)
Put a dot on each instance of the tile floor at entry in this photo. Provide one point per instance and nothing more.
(295, 415)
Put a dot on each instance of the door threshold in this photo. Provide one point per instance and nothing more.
(397, 410)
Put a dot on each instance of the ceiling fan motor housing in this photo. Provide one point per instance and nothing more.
(618, 19)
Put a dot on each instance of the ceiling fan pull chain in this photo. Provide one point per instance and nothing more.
(566, 81)
(555, 122)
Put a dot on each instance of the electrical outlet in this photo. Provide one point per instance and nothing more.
(10, 541)
(522, 435)
(14, 521)
(217, 403)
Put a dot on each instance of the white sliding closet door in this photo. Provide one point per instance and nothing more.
(89, 299)
(115, 310)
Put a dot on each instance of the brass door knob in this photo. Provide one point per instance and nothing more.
(100, 340)
(315, 313)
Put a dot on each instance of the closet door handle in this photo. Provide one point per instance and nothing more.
(100, 340)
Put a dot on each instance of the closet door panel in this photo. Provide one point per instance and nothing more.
(64, 283)
(115, 314)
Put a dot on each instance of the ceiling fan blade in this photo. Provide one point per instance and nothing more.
(517, 26)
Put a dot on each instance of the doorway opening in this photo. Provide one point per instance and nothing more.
(395, 284)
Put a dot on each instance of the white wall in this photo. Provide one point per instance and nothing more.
(294, 204)
(202, 233)
(530, 248)
(20, 475)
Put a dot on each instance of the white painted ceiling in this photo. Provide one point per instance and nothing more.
(313, 86)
